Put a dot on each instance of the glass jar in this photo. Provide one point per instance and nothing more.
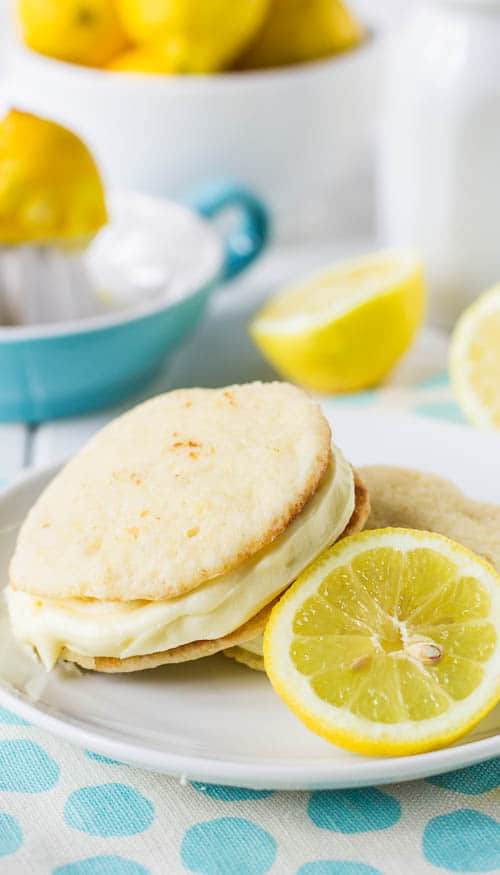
(439, 148)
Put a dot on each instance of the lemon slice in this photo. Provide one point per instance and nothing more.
(345, 328)
(475, 360)
(389, 642)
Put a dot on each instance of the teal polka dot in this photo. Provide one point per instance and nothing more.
(11, 836)
(472, 781)
(102, 866)
(102, 759)
(230, 794)
(337, 867)
(463, 841)
(441, 410)
(109, 810)
(435, 381)
(350, 811)
(11, 718)
(228, 846)
(26, 768)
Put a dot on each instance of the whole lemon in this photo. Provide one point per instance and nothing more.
(50, 188)
(80, 31)
(197, 36)
(296, 31)
(154, 58)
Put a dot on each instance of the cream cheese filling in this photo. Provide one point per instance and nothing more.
(91, 627)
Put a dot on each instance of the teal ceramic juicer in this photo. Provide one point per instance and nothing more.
(91, 308)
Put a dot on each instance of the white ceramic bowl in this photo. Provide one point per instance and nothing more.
(298, 135)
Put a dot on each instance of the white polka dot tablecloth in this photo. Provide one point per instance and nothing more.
(65, 811)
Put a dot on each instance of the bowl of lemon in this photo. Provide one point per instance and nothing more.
(276, 93)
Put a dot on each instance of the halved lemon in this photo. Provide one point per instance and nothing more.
(50, 186)
(389, 643)
(345, 328)
(475, 360)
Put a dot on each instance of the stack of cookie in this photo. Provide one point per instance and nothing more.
(170, 535)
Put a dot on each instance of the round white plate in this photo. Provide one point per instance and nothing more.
(214, 720)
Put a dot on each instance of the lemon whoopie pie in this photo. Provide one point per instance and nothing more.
(171, 533)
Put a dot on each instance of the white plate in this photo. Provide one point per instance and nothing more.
(214, 720)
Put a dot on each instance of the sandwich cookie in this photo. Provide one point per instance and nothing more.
(170, 535)
(251, 653)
